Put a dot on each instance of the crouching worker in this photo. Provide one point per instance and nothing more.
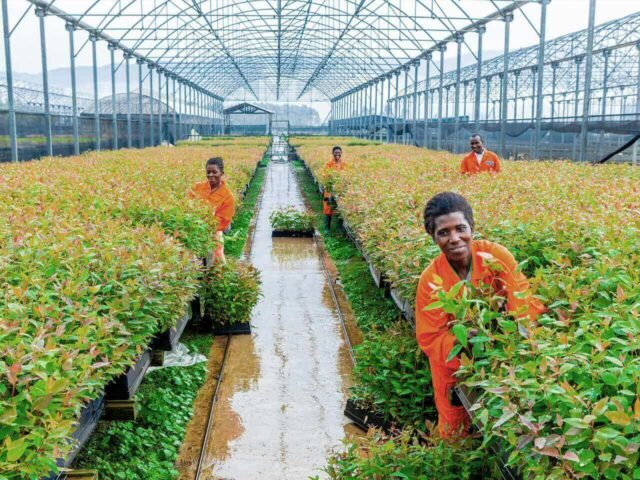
(479, 159)
(328, 202)
(448, 218)
(218, 196)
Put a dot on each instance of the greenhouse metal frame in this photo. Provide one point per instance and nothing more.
(364, 56)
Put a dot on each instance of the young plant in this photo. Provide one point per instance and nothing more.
(290, 219)
(380, 457)
(392, 377)
(230, 291)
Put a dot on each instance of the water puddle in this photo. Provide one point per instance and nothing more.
(280, 406)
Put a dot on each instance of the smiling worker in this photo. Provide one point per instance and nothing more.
(479, 159)
(448, 219)
(217, 194)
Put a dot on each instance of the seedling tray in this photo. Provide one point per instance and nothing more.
(293, 233)
(220, 328)
(86, 424)
(126, 385)
(167, 340)
(365, 418)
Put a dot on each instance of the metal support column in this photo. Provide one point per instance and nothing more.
(114, 105)
(634, 157)
(96, 97)
(152, 136)
(456, 107)
(40, 12)
(442, 49)
(404, 105)
(516, 74)
(175, 108)
(508, 18)
(487, 99)
(389, 78)
(141, 141)
(166, 103)
(127, 58)
(540, 97)
(416, 66)
(396, 107)
(381, 123)
(427, 75)
(586, 103)
(160, 126)
(9, 72)
(374, 117)
(605, 90)
(70, 27)
(481, 30)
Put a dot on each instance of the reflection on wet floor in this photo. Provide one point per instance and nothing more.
(280, 407)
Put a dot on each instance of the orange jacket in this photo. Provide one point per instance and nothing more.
(330, 165)
(490, 163)
(433, 334)
(221, 201)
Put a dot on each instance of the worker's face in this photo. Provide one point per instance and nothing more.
(476, 144)
(337, 155)
(453, 235)
(214, 175)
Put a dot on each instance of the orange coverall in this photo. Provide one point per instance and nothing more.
(490, 163)
(331, 165)
(221, 202)
(433, 334)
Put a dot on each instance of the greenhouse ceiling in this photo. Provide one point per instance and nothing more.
(278, 48)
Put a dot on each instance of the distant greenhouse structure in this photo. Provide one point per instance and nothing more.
(576, 96)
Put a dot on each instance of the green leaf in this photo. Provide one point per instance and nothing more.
(460, 332)
(16, 449)
(454, 351)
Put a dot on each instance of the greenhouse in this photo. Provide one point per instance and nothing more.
(320, 239)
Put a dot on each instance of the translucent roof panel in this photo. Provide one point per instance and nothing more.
(279, 49)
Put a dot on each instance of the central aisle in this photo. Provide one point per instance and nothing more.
(279, 412)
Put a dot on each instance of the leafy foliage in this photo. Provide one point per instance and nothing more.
(291, 219)
(230, 291)
(565, 401)
(97, 254)
(393, 377)
(165, 403)
(378, 457)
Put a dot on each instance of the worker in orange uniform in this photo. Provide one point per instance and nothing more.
(479, 159)
(217, 194)
(328, 202)
(448, 218)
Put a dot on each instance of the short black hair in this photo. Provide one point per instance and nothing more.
(477, 135)
(445, 203)
(337, 147)
(217, 161)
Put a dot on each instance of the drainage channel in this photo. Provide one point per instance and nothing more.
(279, 408)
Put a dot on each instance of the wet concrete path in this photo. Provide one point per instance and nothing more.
(280, 407)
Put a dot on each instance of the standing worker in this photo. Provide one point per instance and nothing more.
(479, 159)
(448, 218)
(217, 194)
(328, 202)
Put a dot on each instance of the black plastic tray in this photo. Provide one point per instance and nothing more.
(293, 233)
(126, 385)
(365, 418)
(235, 329)
(167, 340)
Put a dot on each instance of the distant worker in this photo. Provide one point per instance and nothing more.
(328, 202)
(217, 194)
(479, 159)
(448, 218)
